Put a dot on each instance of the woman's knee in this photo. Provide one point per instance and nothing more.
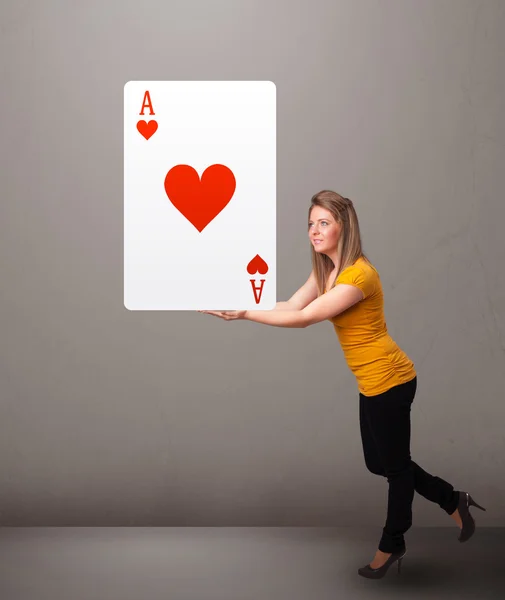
(404, 468)
(375, 468)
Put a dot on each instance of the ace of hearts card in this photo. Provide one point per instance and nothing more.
(199, 195)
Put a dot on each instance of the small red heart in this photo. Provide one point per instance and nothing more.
(257, 265)
(200, 201)
(147, 129)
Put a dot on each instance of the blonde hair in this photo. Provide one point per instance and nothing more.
(349, 245)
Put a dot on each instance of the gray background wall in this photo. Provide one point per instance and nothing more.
(110, 417)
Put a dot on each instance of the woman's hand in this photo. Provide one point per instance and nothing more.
(227, 315)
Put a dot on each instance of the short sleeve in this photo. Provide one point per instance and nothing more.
(364, 279)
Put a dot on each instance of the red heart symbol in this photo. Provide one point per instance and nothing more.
(147, 129)
(200, 201)
(257, 265)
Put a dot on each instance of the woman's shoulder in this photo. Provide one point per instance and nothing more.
(362, 265)
(361, 274)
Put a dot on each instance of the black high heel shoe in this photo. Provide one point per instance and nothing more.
(468, 529)
(379, 573)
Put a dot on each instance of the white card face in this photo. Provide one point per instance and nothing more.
(199, 195)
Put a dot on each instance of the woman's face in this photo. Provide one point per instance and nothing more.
(324, 231)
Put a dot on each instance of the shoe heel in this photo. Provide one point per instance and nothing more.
(472, 502)
(399, 565)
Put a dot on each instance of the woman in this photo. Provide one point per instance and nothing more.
(345, 288)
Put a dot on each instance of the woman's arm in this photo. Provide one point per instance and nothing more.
(299, 311)
(329, 305)
(283, 306)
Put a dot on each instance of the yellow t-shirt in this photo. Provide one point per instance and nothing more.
(371, 354)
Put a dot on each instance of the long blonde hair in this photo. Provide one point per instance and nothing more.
(349, 245)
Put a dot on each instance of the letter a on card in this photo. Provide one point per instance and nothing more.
(199, 195)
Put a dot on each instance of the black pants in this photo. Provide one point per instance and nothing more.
(385, 433)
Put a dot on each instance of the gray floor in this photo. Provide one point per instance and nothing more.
(79, 563)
